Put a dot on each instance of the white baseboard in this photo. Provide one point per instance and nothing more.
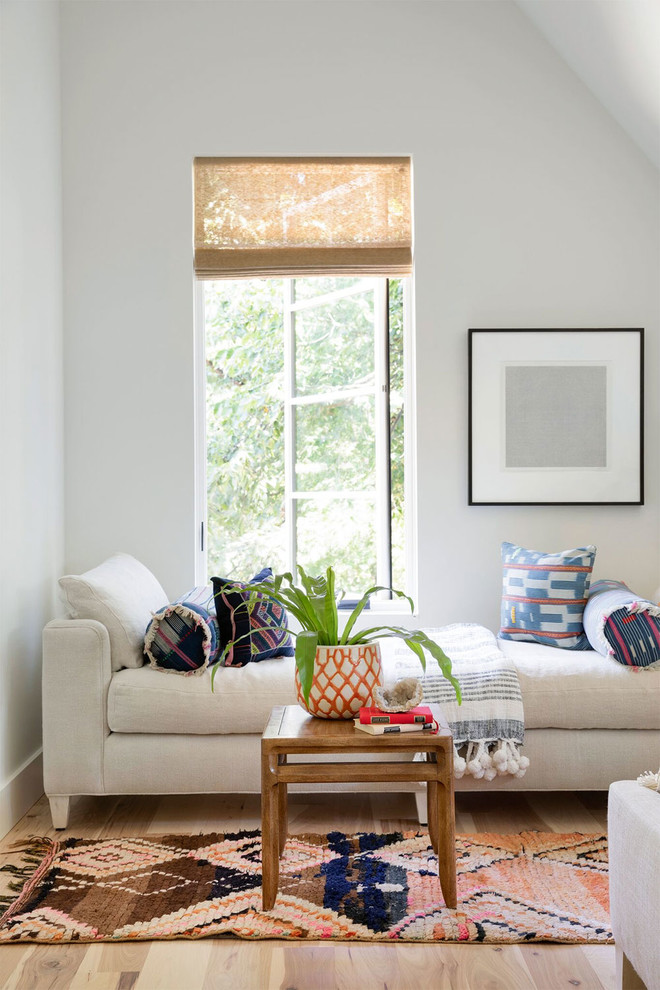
(21, 791)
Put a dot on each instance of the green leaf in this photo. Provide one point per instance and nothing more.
(331, 618)
(417, 641)
(285, 596)
(315, 595)
(309, 616)
(440, 657)
(306, 644)
(376, 632)
(361, 605)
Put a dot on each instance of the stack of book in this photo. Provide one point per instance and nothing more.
(380, 723)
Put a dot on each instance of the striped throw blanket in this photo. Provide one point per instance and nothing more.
(489, 726)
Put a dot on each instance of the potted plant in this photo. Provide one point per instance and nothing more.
(336, 672)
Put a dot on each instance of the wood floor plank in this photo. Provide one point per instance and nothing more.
(84, 980)
(127, 980)
(110, 967)
(323, 812)
(89, 816)
(131, 815)
(563, 813)
(490, 967)
(355, 966)
(175, 965)
(36, 821)
(277, 967)
(175, 813)
(465, 822)
(123, 957)
(48, 968)
(596, 803)
(602, 960)
(237, 965)
(12, 959)
(310, 967)
(502, 813)
(436, 967)
(388, 811)
(88, 975)
(556, 967)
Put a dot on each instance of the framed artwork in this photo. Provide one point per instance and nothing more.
(556, 417)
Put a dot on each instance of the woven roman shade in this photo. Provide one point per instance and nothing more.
(302, 216)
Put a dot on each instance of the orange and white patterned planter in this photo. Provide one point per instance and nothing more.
(344, 680)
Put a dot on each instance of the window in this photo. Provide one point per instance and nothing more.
(301, 392)
(305, 427)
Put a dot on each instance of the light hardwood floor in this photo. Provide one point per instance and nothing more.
(216, 964)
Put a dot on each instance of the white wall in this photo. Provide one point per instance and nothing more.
(613, 47)
(31, 447)
(532, 209)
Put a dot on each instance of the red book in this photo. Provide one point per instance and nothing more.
(374, 716)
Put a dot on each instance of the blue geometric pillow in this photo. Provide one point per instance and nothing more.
(182, 638)
(544, 595)
(258, 633)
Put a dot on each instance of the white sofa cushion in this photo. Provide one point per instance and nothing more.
(146, 701)
(582, 690)
(560, 688)
(122, 594)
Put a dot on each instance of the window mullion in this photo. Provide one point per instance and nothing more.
(290, 503)
(337, 395)
(382, 431)
(329, 297)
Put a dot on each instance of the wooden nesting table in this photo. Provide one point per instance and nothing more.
(292, 732)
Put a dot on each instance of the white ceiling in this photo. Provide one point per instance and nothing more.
(614, 47)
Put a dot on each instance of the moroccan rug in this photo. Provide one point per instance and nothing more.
(532, 887)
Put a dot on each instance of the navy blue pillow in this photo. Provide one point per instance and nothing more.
(257, 634)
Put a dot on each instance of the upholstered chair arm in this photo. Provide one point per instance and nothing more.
(76, 678)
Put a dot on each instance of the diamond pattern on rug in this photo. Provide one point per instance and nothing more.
(530, 887)
(113, 856)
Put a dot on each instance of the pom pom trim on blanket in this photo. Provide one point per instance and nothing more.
(489, 726)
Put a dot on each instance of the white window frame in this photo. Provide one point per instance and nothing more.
(378, 390)
(382, 455)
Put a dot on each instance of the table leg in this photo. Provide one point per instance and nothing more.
(270, 833)
(432, 812)
(282, 808)
(446, 841)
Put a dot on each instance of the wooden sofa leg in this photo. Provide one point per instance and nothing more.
(59, 810)
(422, 808)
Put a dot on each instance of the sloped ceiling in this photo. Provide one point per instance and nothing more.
(614, 47)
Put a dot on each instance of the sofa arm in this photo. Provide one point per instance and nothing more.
(633, 819)
(76, 679)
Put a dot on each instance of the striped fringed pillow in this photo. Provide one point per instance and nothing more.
(544, 595)
(182, 638)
